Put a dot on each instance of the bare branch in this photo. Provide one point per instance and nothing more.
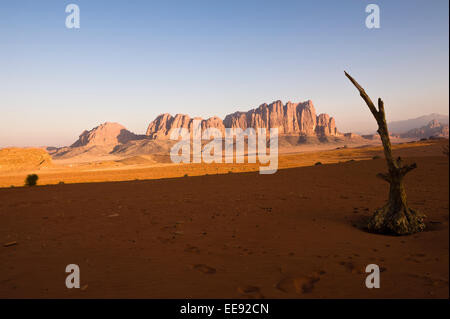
(406, 169)
(381, 114)
(380, 105)
(364, 95)
(384, 177)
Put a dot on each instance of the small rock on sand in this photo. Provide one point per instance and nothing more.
(204, 269)
(13, 243)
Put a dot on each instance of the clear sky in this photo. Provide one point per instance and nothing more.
(133, 60)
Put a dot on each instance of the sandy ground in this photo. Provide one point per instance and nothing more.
(296, 234)
(140, 168)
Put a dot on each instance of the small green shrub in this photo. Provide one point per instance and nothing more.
(318, 163)
(186, 175)
(31, 180)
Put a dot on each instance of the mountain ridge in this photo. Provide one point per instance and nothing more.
(298, 125)
(403, 126)
(290, 118)
(432, 130)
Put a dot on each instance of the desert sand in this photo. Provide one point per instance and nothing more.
(224, 231)
(92, 168)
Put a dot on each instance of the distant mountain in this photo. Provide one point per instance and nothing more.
(399, 127)
(105, 134)
(99, 141)
(432, 129)
(290, 119)
(298, 125)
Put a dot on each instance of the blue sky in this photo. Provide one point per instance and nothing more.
(133, 60)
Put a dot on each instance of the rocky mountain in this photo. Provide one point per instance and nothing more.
(99, 141)
(298, 125)
(432, 129)
(105, 134)
(290, 119)
(399, 127)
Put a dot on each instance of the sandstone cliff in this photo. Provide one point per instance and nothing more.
(290, 119)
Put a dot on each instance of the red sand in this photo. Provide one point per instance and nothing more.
(295, 234)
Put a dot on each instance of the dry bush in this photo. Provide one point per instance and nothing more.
(31, 180)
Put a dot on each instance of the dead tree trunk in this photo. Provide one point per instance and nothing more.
(395, 217)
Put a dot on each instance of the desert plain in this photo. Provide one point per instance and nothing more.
(140, 230)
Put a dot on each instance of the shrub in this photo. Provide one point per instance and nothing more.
(318, 163)
(186, 175)
(31, 180)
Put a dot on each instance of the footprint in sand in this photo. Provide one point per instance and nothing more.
(252, 292)
(204, 269)
(192, 249)
(350, 266)
(436, 282)
(165, 240)
(299, 284)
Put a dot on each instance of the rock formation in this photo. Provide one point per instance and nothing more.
(105, 134)
(290, 119)
(432, 129)
(403, 126)
(14, 158)
(164, 124)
